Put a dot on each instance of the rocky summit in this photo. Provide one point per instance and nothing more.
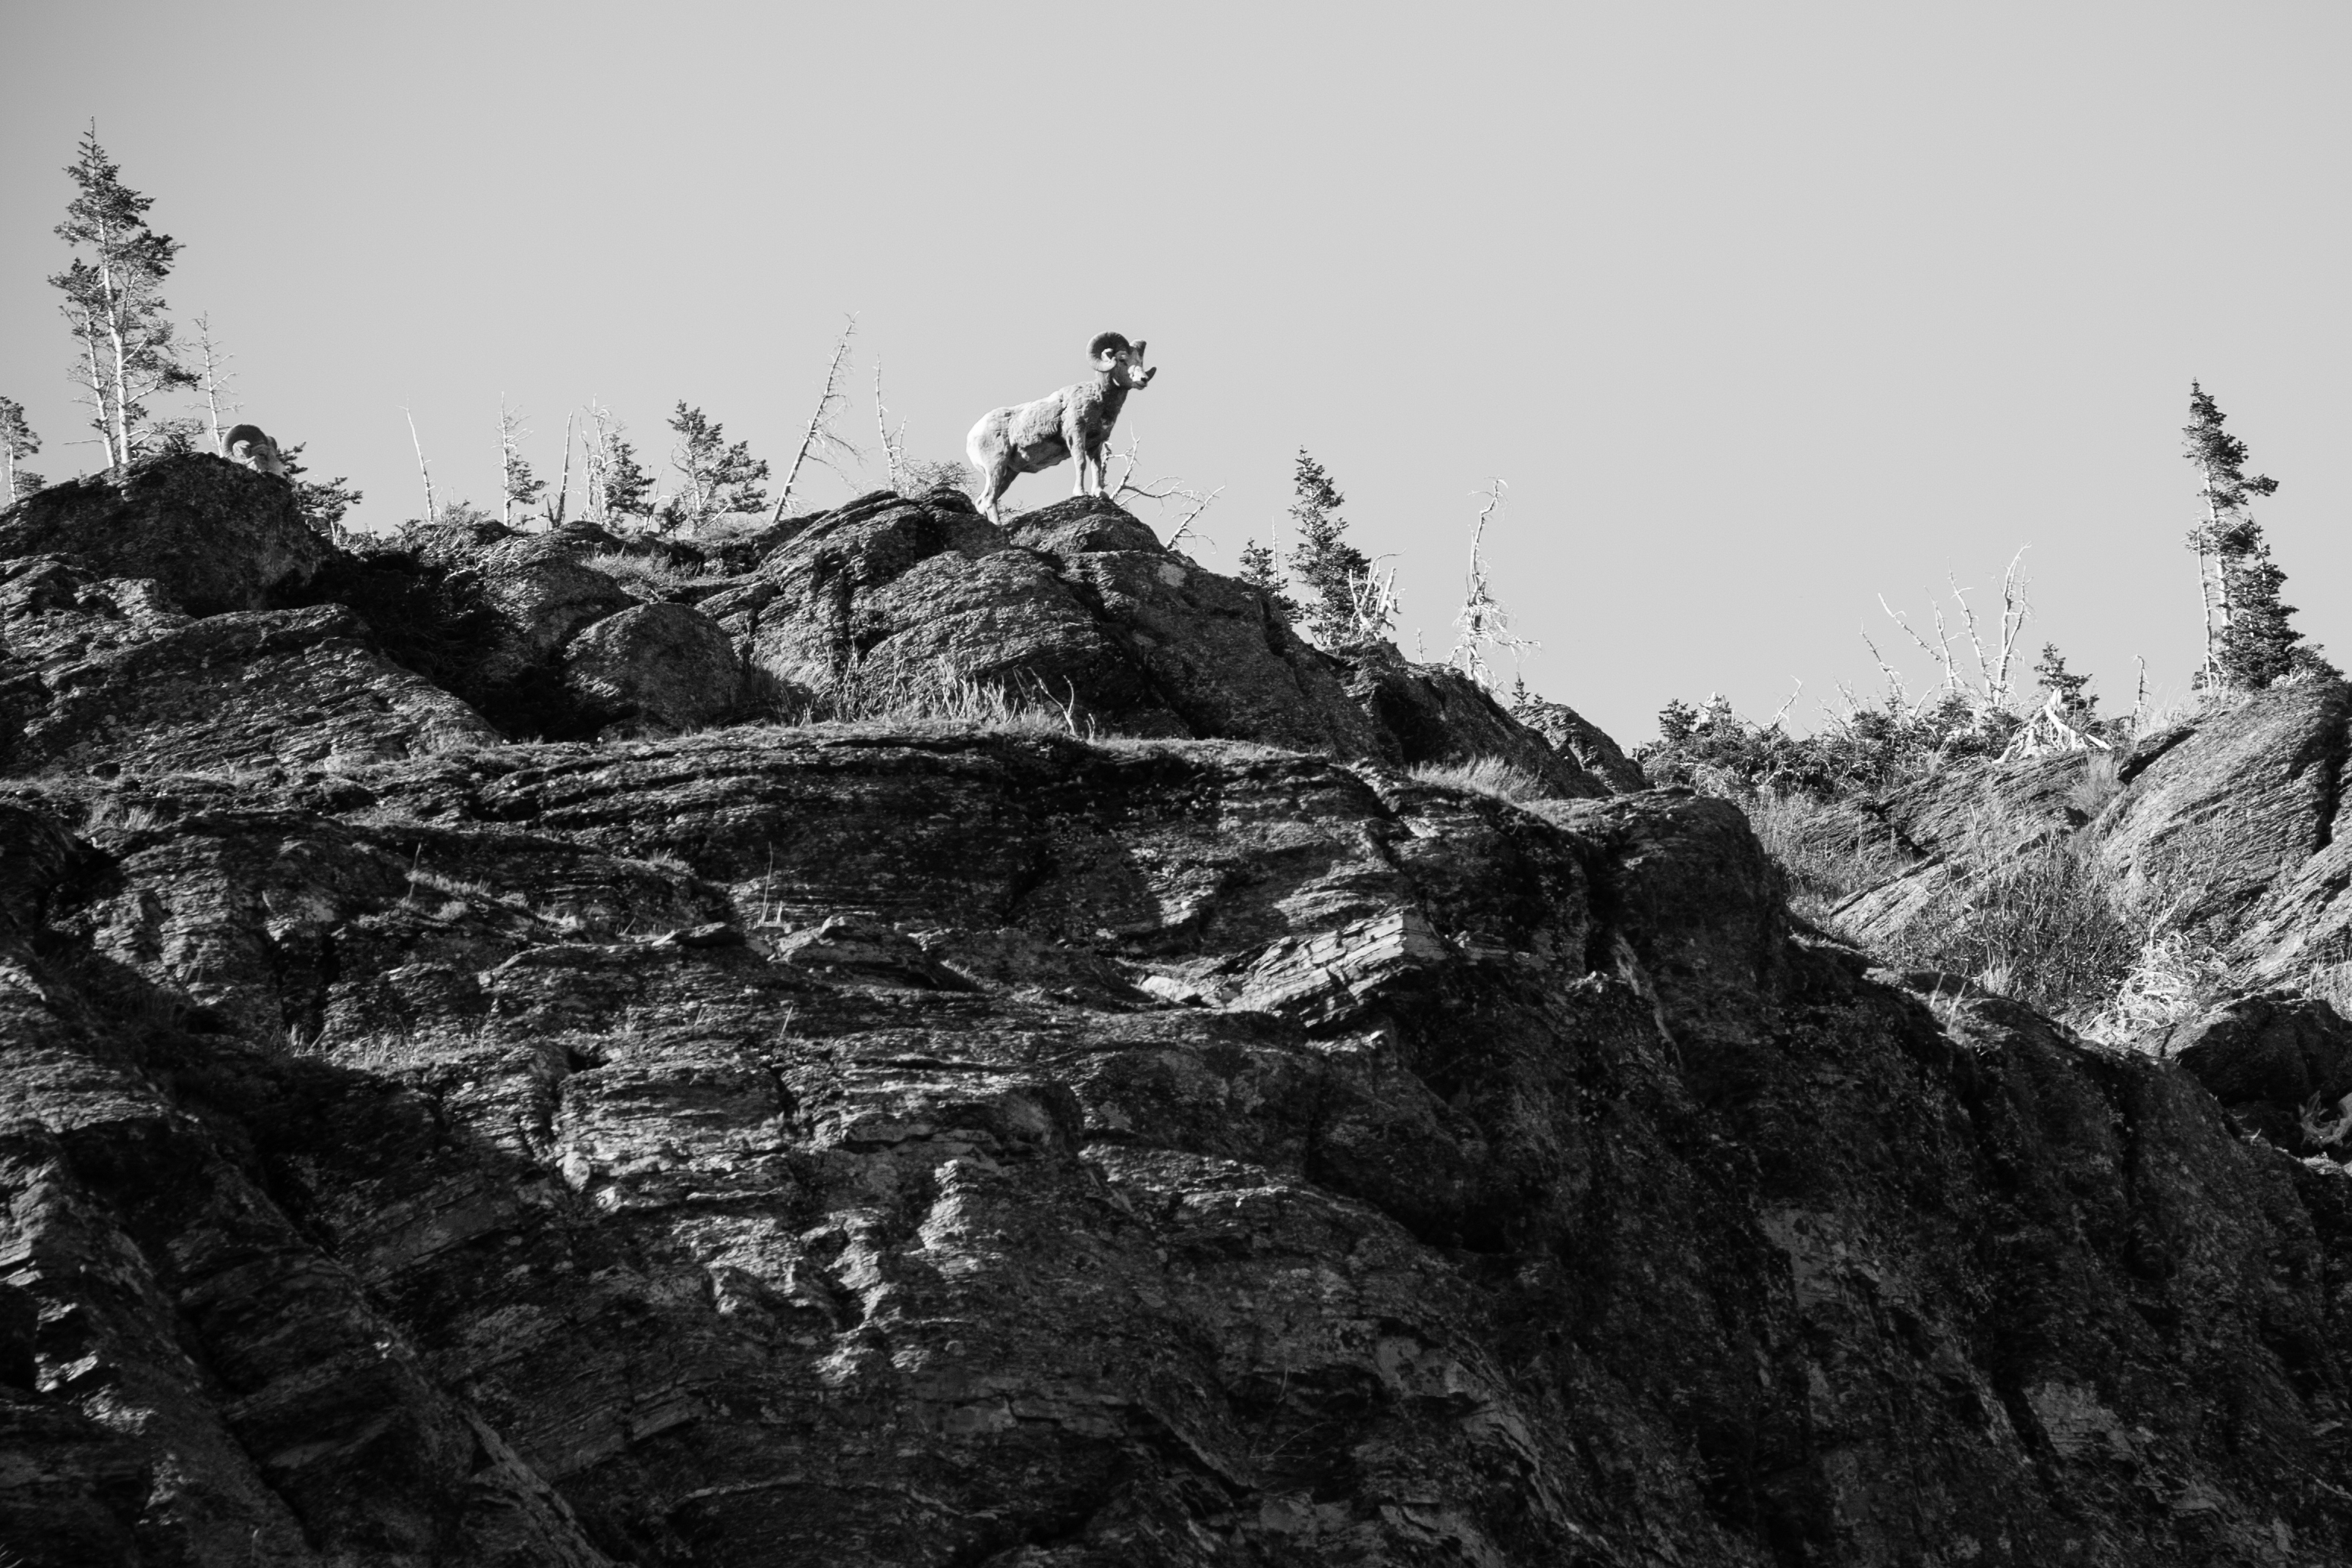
(886, 1039)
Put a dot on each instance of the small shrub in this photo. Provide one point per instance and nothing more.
(920, 476)
(1488, 776)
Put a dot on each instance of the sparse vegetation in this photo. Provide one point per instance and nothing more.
(897, 694)
(652, 576)
(2038, 925)
(2173, 978)
(1489, 776)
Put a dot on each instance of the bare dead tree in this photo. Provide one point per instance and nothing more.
(596, 446)
(212, 379)
(820, 443)
(1372, 605)
(563, 483)
(423, 469)
(894, 442)
(1484, 623)
(515, 479)
(1991, 686)
(1160, 492)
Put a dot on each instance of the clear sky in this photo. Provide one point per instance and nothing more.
(1762, 310)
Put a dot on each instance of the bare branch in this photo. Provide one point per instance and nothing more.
(563, 485)
(894, 443)
(213, 379)
(1184, 523)
(820, 443)
(1482, 622)
(1159, 491)
(423, 468)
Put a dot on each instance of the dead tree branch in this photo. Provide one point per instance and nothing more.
(424, 468)
(1484, 623)
(820, 443)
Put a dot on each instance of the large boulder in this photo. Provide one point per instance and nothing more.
(541, 593)
(2218, 811)
(100, 674)
(2279, 1062)
(1586, 743)
(213, 535)
(1434, 715)
(1079, 604)
(659, 668)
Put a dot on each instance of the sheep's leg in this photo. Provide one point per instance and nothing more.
(992, 483)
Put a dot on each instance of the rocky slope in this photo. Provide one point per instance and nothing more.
(929, 1143)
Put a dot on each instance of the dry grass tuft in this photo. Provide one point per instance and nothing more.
(642, 574)
(907, 694)
(2036, 925)
(1827, 851)
(2173, 978)
(1488, 776)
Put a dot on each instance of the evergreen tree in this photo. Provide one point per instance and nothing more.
(324, 502)
(2258, 648)
(627, 488)
(1328, 567)
(113, 300)
(720, 478)
(518, 489)
(2068, 686)
(2229, 533)
(1258, 569)
(2248, 643)
(18, 442)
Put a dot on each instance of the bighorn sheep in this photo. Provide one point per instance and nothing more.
(247, 446)
(1030, 437)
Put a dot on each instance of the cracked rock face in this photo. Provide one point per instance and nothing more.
(840, 1145)
(2228, 828)
(925, 1143)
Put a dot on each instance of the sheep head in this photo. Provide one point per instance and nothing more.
(1114, 356)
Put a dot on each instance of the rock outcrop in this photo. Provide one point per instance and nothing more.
(2226, 828)
(654, 667)
(212, 535)
(926, 1143)
(840, 1147)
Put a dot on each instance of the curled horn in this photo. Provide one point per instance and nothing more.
(1107, 343)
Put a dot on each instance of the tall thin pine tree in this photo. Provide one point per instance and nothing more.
(114, 301)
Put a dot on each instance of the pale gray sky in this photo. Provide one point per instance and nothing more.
(1762, 310)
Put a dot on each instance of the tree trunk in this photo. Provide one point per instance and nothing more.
(97, 375)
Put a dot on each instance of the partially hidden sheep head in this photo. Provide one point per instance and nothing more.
(248, 445)
(1114, 354)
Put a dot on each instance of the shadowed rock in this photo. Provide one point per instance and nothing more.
(213, 535)
(659, 666)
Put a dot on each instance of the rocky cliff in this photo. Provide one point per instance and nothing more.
(474, 1096)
